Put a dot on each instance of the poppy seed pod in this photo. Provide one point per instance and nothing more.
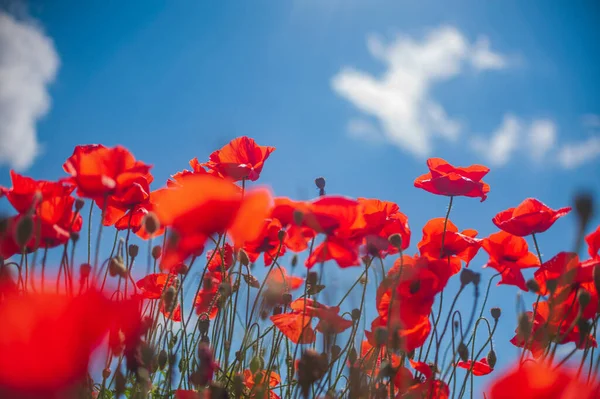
(320, 183)
(491, 358)
(533, 286)
(463, 352)
(116, 267)
(74, 236)
(298, 217)
(156, 252)
(584, 207)
(396, 241)
(151, 223)
(294, 261)
(163, 357)
(355, 314)
(79, 203)
(467, 276)
(496, 312)
(256, 364)
(281, 235)
(133, 250)
(23, 231)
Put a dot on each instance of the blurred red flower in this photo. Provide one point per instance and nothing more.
(593, 242)
(530, 217)
(445, 179)
(480, 367)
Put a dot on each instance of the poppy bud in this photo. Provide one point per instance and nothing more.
(277, 310)
(496, 312)
(74, 236)
(23, 231)
(463, 352)
(524, 326)
(352, 355)
(396, 241)
(533, 286)
(225, 289)
(467, 276)
(133, 250)
(312, 278)
(294, 261)
(335, 351)
(286, 299)
(491, 358)
(256, 364)
(151, 223)
(106, 373)
(169, 297)
(79, 203)
(584, 298)
(381, 336)
(163, 357)
(156, 252)
(173, 342)
(355, 314)
(281, 235)
(320, 182)
(243, 257)
(116, 267)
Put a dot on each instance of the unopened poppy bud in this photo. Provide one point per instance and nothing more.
(496, 312)
(281, 235)
(74, 236)
(277, 310)
(298, 217)
(151, 223)
(584, 298)
(335, 351)
(79, 203)
(533, 286)
(381, 336)
(286, 299)
(243, 257)
(240, 356)
(173, 342)
(84, 270)
(163, 357)
(106, 373)
(584, 207)
(355, 314)
(395, 240)
(116, 267)
(463, 352)
(352, 355)
(551, 285)
(256, 364)
(225, 289)
(133, 250)
(320, 183)
(312, 278)
(23, 231)
(466, 276)
(156, 252)
(294, 261)
(491, 358)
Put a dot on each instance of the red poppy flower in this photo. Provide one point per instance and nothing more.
(445, 179)
(457, 246)
(371, 358)
(538, 381)
(187, 394)
(24, 189)
(153, 285)
(530, 217)
(175, 315)
(197, 168)
(262, 382)
(343, 251)
(563, 268)
(267, 242)
(382, 219)
(479, 368)
(98, 171)
(204, 205)
(135, 217)
(222, 260)
(206, 300)
(330, 322)
(47, 340)
(279, 280)
(295, 326)
(241, 159)
(508, 255)
(593, 242)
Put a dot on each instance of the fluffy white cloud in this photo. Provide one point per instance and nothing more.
(573, 155)
(28, 63)
(535, 139)
(401, 98)
(363, 129)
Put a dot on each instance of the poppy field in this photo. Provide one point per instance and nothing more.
(225, 297)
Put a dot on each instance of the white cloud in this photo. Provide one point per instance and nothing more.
(572, 155)
(502, 143)
(363, 129)
(28, 64)
(401, 98)
(542, 138)
(535, 139)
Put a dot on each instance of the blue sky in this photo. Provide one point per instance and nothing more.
(360, 92)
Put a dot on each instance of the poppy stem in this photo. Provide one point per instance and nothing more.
(445, 226)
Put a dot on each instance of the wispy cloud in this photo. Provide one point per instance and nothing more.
(401, 99)
(575, 154)
(28, 64)
(534, 140)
